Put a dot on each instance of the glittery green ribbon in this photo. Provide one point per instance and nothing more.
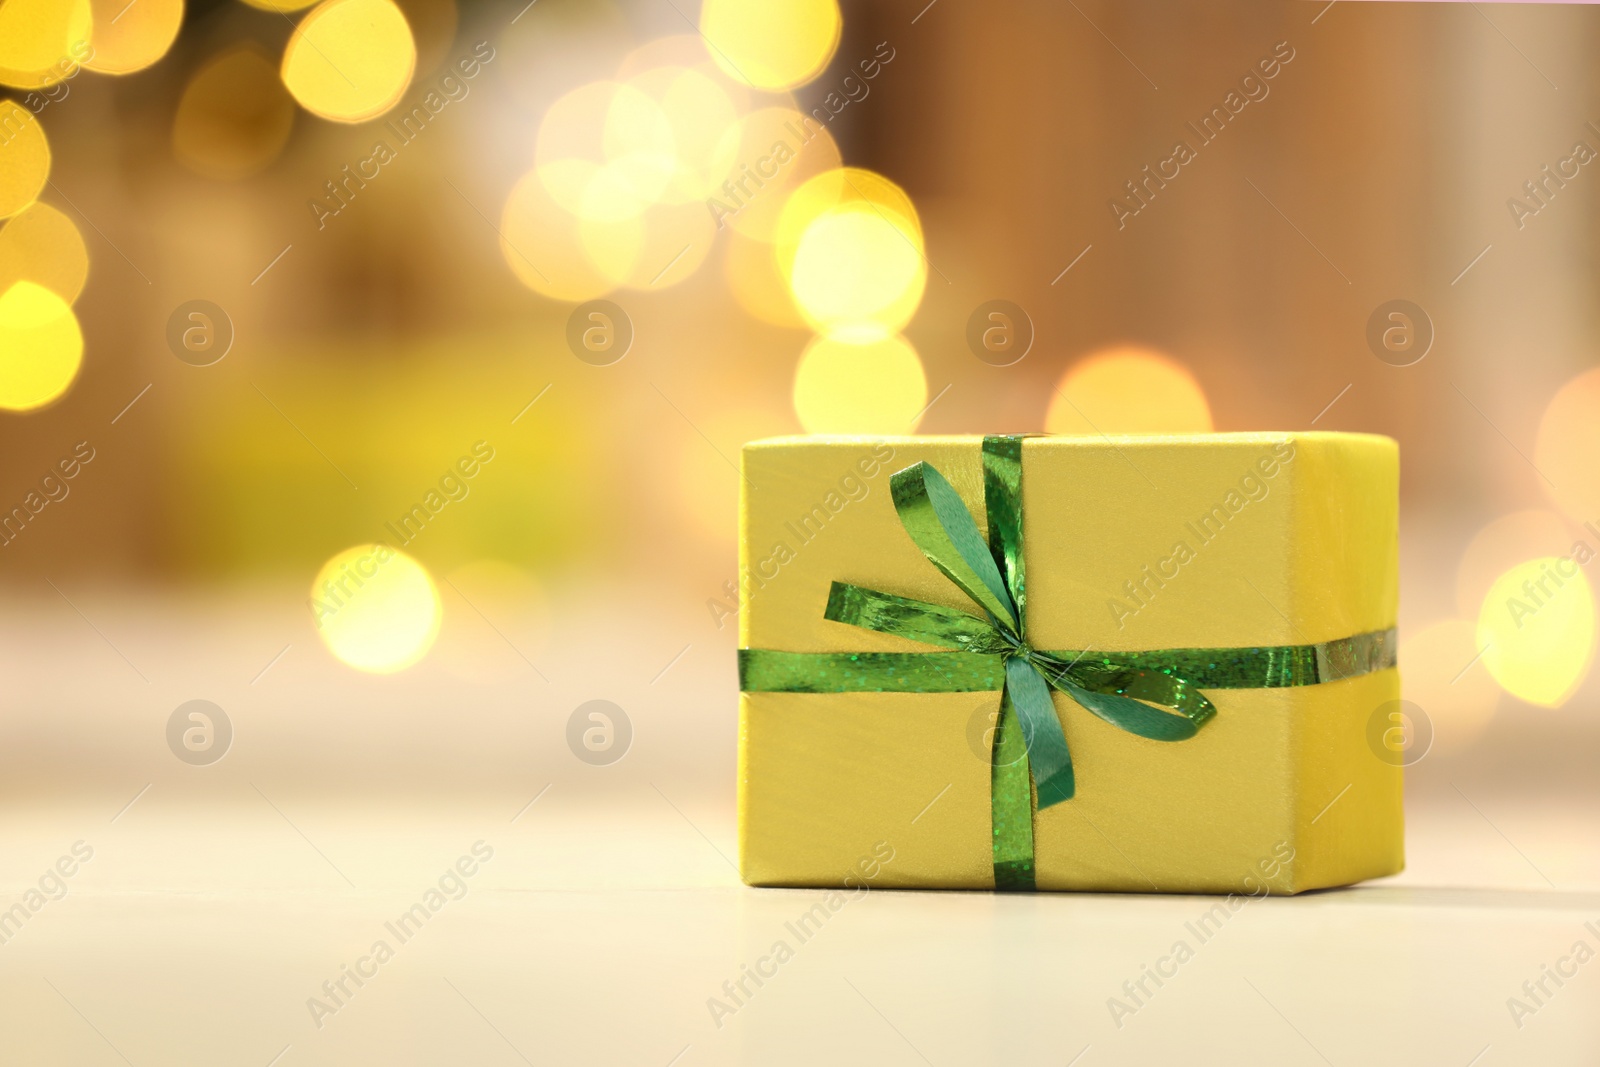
(1030, 765)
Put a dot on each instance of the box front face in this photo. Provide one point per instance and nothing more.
(1134, 545)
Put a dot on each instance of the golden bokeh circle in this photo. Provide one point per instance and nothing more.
(771, 44)
(43, 42)
(1537, 629)
(24, 158)
(856, 274)
(375, 608)
(350, 60)
(128, 37)
(1128, 389)
(41, 347)
(873, 388)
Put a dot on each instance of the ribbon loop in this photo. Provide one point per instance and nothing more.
(932, 624)
(939, 523)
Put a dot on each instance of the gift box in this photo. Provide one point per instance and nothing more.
(1136, 663)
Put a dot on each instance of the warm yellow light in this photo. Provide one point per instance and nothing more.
(280, 5)
(24, 158)
(657, 251)
(875, 388)
(1439, 674)
(857, 275)
(375, 608)
(780, 149)
(771, 44)
(608, 126)
(704, 127)
(1537, 622)
(1128, 390)
(42, 41)
(1567, 452)
(1501, 545)
(751, 270)
(131, 36)
(350, 60)
(234, 117)
(41, 347)
(546, 251)
(41, 245)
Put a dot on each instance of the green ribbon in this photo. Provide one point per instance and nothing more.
(1030, 764)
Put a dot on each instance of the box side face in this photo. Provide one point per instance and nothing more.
(1349, 815)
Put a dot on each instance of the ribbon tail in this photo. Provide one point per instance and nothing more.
(1041, 728)
(1119, 695)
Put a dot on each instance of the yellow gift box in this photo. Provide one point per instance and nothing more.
(1254, 548)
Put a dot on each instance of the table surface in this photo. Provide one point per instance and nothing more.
(225, 908)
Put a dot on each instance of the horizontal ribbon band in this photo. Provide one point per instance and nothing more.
(1271, 667)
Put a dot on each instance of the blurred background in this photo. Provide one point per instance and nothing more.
(373, 375)
(280, 269)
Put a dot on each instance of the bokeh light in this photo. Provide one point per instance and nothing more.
(780, 149)
(280, 5)
(1537, 629)
(234, 117)
(376, 608)
(1501, 545)
(771, 44)
(673, 241)
(1128, 390)
(42, 245)
(41, 346)
(1439, 674)
(545, 250)
(850, 244)
(1567, 452)
(24, 158)
(131, 36)
(704, 126)
(350, 60)
(857, 276)
(605, 150)
(42, 41)
(873, 388)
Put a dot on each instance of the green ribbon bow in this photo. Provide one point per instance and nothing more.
(1029, 758)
